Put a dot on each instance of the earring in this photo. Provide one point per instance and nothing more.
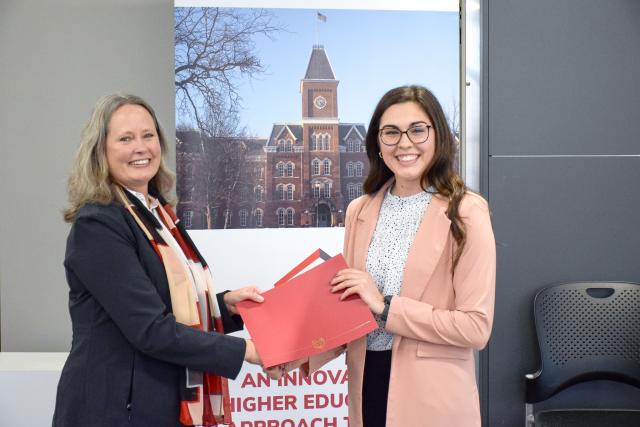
(380, 154)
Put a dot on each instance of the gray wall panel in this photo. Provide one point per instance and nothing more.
(561, 106)
(56, 59)
(559, 76)
(555, 220)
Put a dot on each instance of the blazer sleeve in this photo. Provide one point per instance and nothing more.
(230, 322)
(102, 255)
(469, 323)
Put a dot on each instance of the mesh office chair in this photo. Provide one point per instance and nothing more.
(586, 332)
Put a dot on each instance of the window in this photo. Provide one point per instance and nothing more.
(290, 213)
(352, 145)
(359, 166)
(327, 190)
(187, 216)
(354, 190)
(280, 214)
(315, 167)
(326, 167)
(259, 215)
(227, 218)
(258, 193)
(350, 169)
(285, 146)
(290, 189)
(280, 192)
(326, 144)
(244, 215)
(316, 190)
(244, 194)
(280, 169)
(290, 167)
(321, 142)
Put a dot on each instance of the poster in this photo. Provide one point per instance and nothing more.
(272, 109)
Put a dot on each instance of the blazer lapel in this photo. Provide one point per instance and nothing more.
(426, 249)
(367, 221)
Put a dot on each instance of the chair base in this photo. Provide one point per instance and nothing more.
(587, 418)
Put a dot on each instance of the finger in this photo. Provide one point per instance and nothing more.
(350, 275)
(349, 292)
(346, 272)
(337, 279)
(255, 296)
(344, 285)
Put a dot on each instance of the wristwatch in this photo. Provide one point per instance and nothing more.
(385, 311)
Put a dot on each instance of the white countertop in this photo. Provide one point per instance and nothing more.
(18, 361)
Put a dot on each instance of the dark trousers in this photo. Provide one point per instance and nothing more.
(375, 388)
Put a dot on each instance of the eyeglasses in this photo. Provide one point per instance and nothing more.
(418, 134)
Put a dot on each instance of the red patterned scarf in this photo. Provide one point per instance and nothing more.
(204, 397)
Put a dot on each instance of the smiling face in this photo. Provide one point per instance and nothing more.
(407, 161)
(133, 147)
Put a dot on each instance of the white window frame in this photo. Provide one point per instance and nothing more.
(280, 214)
(290, 216)
(244, 217)
(326, 167)
(187, 217)
(349, 169)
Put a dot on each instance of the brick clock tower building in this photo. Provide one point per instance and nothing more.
(311, 169)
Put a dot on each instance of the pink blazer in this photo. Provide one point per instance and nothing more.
(437, 321)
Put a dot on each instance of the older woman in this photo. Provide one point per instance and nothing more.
(422, 257)
(148, 329)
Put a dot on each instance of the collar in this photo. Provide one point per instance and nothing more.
(148, 202)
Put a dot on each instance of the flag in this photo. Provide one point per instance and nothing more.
(321, 17)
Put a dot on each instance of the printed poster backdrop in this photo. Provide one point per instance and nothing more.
(272, 107)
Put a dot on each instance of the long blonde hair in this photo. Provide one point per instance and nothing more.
(90, 181)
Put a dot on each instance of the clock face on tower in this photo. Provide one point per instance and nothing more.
(320, 102)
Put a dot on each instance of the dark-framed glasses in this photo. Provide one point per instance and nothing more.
(417, 133)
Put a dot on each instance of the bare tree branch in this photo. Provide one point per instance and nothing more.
(214, 50)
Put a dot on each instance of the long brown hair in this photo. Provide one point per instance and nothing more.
(440, 173)
(89, 181)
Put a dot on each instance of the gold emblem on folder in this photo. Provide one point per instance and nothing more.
(318, 343)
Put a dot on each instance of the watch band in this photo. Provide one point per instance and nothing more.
(387, 304)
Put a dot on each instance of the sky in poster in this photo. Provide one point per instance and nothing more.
(370, 52)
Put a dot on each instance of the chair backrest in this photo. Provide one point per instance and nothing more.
(586, 331)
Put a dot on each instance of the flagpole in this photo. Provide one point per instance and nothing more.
(317, 29)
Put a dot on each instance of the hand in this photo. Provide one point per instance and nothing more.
(274, 372)
(251, 354)
(247, 293)
(354, 281)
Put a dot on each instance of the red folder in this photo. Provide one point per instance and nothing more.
(302, 317)
(316, 255)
